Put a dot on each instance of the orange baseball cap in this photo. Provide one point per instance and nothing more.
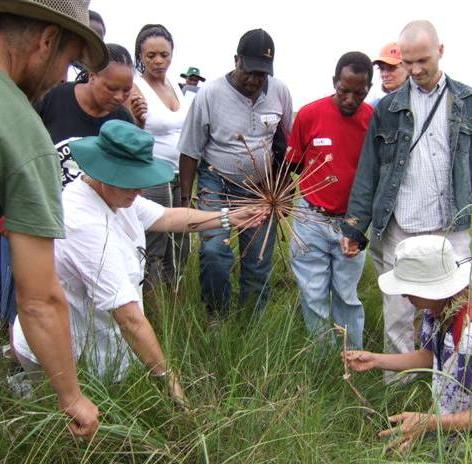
(389, 54)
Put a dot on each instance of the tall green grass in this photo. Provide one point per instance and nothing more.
(261, 391)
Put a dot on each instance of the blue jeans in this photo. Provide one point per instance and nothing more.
(216, 257)
(7, 284)
(326, 278)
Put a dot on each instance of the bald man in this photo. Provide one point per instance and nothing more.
(414, 176)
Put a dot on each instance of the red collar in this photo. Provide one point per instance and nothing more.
(458, 323)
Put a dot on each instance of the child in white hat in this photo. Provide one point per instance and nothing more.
(427, 272)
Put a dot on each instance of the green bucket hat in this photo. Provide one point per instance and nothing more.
(192, 71)
(121, 155)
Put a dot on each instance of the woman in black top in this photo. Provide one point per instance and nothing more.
(78, 109)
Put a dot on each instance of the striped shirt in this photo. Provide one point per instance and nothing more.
(424, 198)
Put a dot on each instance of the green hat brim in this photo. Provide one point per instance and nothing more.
(119, 172)
(200, 78)
(95, 56)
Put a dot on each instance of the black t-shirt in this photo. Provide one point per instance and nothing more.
(66, 121)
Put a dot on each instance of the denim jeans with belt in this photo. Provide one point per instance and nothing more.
(216, 257)
(327, 279)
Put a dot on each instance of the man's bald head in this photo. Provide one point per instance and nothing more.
(419, 30)
(421, 52)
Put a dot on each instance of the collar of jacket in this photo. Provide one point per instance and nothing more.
(401, 98)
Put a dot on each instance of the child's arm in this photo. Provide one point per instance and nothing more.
(361, 361)
(457, 421)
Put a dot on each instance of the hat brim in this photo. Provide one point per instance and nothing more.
(119, 172)
(95, 54)
(200, 78)
(388, 60)
(447, 287)
(257, 64)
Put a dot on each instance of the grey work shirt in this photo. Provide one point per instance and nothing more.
(220, 115)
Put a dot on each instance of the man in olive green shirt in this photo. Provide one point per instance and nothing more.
(31, 196)
(38, 41)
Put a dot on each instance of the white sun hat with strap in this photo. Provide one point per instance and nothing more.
(426, 266)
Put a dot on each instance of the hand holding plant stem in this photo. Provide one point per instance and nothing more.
(273, 190)
(360, 361)
(249, 216)
(347, 374)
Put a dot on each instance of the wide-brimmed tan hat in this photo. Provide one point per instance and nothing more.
(426, 266)
(72, 15)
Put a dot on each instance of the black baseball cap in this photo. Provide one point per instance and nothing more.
(256, 49)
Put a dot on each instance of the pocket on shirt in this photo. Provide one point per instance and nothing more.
(465, 135)
(387, 145)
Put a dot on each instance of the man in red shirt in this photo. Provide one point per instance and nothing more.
(327, 137)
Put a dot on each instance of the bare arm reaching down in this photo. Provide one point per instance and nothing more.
(44, 317)
(137, 331)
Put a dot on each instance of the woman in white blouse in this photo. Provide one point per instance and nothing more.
(100, 264)
(160, 108)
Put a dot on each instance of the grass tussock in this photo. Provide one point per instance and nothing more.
(261, 391)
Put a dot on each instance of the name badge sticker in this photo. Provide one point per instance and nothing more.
(270, 118)
(322, 142)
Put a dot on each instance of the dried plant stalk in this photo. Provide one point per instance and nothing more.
(347, 374)
(275, 189)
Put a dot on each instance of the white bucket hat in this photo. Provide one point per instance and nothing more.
(426, 266)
